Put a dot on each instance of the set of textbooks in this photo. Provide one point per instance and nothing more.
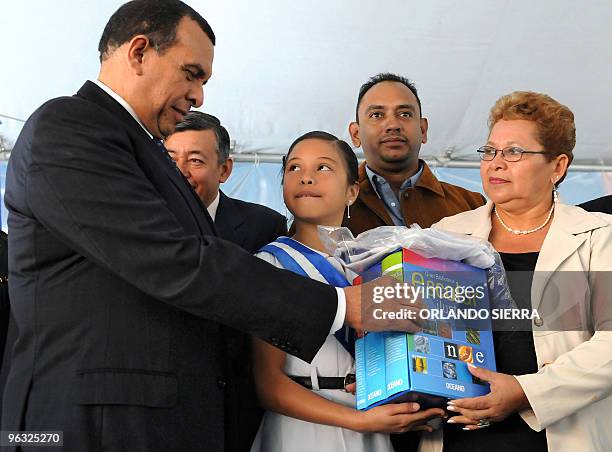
(430, 366)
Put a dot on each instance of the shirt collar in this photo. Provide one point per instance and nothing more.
(376, 179)
(212, 208)
(121, 102)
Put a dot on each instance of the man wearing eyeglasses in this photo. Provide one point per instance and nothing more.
(396, 187)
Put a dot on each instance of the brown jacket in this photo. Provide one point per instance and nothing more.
(424, 204)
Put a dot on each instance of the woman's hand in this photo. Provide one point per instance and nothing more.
(395, 418)
(506, 397)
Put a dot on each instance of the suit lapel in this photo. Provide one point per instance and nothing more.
(368, 196)
(482, 224)
(196, 206)
(565, 236)
(150, 157)
(429, 181)
(478, 226)
(563, 239)
(229, 220)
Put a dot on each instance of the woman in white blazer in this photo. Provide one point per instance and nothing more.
(553, 387)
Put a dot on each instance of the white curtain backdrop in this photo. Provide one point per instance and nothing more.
(284, 68)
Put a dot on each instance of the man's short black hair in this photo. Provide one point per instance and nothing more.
(386, 77)
(196, 120)
(156, 19)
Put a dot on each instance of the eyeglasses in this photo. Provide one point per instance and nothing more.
(509, 154)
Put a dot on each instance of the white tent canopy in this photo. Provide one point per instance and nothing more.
(284, 68)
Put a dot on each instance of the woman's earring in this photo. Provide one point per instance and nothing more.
(348, 209)
(555, 192)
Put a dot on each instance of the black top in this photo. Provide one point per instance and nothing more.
(603, 204)
(514, 355)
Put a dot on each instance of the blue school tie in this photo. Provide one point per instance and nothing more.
(345, 335)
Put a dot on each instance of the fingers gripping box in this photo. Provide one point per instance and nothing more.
(430, 366)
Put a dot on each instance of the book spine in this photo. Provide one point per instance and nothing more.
(375, 367)
(360, 374)
(396, 363)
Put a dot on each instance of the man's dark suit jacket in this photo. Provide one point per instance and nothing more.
(250, 226)
(119, 289)
(4, 299)
(7, 334)
(603, 204)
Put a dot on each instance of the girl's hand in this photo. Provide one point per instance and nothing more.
(395, 418)
(506, 397)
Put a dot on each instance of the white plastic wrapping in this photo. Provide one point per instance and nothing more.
(359, 253)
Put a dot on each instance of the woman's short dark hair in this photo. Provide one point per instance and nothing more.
(156, 19)
(348, 155)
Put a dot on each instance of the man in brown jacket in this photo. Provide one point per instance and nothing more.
(395, 186)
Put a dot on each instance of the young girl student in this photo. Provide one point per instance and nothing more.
(307, 406)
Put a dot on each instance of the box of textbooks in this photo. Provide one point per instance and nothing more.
(430, 366)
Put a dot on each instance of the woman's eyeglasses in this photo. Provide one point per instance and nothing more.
(509, 154)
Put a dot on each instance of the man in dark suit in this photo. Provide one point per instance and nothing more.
(119, 285)
(603, 204)
(200, 147)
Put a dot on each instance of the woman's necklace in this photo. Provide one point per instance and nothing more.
(522, 232)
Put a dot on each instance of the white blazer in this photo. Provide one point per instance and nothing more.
(570, 395)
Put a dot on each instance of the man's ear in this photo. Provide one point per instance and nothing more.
(354, 133)
(226, 170)
(424, 126)
(136, 52)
